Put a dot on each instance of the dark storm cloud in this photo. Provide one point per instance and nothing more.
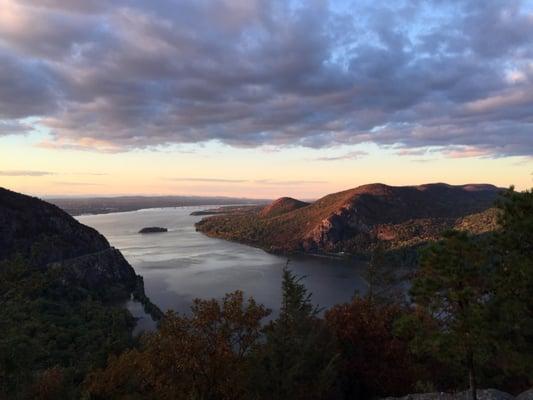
(25, 88)
(134, 74)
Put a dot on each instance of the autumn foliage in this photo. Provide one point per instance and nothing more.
(374, 360)
(196, 357)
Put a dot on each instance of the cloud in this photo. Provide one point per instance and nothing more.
(82, 144)
(352, 155)
(25, 173)
(412, 152)
(45, 173)
(13, 128)
(465, 152)
(115, 76)
(211, 180)
(65, 183)
(288, 182)
(257, 181)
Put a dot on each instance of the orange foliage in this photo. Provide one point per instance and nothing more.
(201, 356)
(373, 360)
(49, 385)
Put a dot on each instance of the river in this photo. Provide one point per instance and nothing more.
(183, 264)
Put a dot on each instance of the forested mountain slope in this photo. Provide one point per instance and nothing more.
(356, 220)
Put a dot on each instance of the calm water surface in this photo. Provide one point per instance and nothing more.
(182, 264)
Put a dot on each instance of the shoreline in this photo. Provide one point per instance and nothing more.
(288, 254)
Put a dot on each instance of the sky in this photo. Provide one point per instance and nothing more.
(262, 98)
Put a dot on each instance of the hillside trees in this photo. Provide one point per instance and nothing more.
(202, 356)
(479, 293)
(222, 351)
(53, 333)
(373, 360)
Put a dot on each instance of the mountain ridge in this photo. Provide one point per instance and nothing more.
(47, 238)
(357, 219)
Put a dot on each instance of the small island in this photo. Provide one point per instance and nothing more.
(153, 229)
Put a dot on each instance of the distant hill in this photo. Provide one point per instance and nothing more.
(104, 205)
(45, 237)
(356, 220)
(281, 206)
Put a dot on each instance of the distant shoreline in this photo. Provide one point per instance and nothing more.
(95, 206)
(87, 214)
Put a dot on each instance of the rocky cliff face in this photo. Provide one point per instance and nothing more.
(99, 270)
(46, 237)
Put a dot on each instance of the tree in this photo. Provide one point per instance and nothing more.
(297, 359)
(53, 333)
(198, 357)
(381, 277)
(49, 385)
(452, 287)
(373, 360)
(511, 304)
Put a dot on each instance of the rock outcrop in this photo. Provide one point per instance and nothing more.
(527, 395)
(482, 394)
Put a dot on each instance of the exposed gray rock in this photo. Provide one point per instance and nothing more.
(424, 396)
(527, 395)
(487, 394)
(482, 394)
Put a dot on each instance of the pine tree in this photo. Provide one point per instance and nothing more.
(452, 287)
(512, 301)
(382, 279)
(297, 360)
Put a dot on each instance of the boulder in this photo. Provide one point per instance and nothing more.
(527, 395)
(482, 394)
